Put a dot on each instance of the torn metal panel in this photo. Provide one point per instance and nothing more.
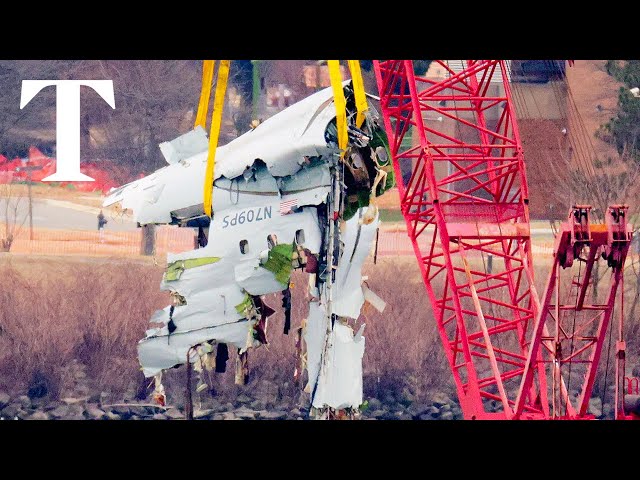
(185, 146)
(257, 186)
(358, 239)
(251, 189)
(334, 361)
(212, 289)
(181, 185)
(283, 142)
(283, 198)
(256, 280)
(314, 334)
(315, 175)
(376, 302)
(256, 223)
(340, 382)
(176, 269)
(158, 353)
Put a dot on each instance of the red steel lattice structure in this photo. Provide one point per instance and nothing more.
(464, 198)
(573, 320)
(467, 199)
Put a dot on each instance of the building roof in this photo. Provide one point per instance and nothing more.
(459, 65)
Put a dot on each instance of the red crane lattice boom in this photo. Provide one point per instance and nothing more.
(464, 196)
(572, 324)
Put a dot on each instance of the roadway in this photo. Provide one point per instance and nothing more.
(63, 215)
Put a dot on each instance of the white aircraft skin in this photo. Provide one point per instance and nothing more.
(277, 184)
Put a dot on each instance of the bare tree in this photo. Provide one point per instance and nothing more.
(598, 183)
(19, 128)
(155, 102)
(11, 216)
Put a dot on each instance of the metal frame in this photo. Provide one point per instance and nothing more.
(455, 219)
(571, 330)
(500, 340)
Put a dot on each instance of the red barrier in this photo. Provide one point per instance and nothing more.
(103, 180)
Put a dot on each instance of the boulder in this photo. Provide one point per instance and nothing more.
(112, 416)
(61, 411)
(23, 414)
(257, 405)
(76, 410)
(440, 399)
(39, 416)
(272, 415)
(141, 410)
(446, 416)
(11, 410)
(94, 413)
(24, 401)
(595, 406)
(203, 414)
(406, 396)
(374, 403)
(38, 403)
(5, 399)
(76, 416)
(74, 400)
(174, 414)
(245, 414)
(124, 412)
(417, 409)
(242, 398)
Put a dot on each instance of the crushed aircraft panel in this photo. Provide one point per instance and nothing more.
(284, 198)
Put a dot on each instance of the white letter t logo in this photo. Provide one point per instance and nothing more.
(67, 121)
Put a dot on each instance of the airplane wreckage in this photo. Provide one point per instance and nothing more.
(284, 197)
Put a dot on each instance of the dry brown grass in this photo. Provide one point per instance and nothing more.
(48, 191)
(57, 309)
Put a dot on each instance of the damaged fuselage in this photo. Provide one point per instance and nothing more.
(284, 197)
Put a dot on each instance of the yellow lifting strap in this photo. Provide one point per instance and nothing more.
(358, 90)
(205, 92)
(214, 134)
(340, 101)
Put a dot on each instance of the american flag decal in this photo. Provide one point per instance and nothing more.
(287, 205)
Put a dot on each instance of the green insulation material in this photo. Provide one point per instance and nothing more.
(279, 262)
(175, 269)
